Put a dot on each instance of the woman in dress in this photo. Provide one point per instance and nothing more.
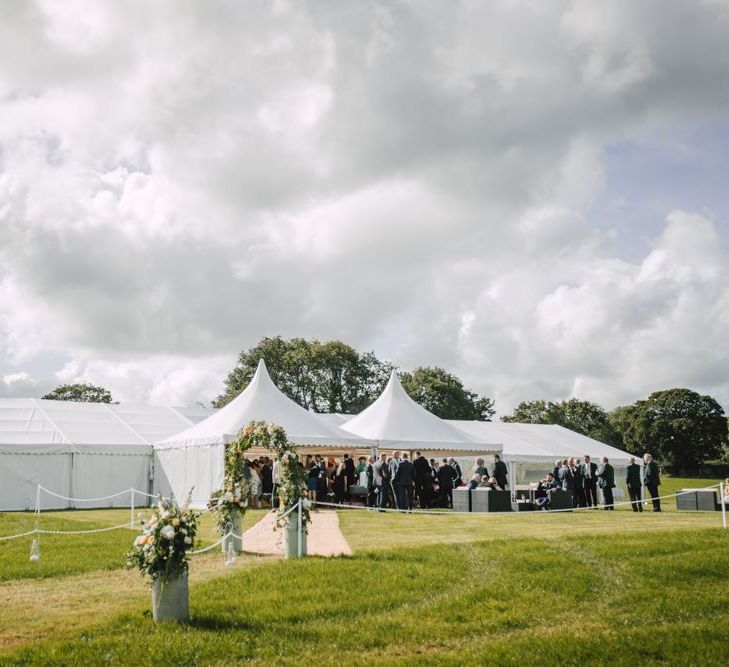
(340, 482)
(312, 479)
(255, 485)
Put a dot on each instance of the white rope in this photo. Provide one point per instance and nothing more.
(81, 532)
(195, 552)
(452, 512)
(85, 500)
(12, 537)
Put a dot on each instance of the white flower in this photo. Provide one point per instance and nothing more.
(188, 540)
(165, 515)
(137, 541)
(183, 531)
(168, 532)
(270, 429)
(228, 497)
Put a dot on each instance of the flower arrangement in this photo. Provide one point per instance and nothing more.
(223, 503)
(162, 550)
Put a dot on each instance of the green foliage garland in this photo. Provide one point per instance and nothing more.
(235, 494)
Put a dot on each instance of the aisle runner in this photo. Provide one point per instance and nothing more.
(324, 538)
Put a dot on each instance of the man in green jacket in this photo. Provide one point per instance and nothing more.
(634, 484)
(652, 480)
(606, 481)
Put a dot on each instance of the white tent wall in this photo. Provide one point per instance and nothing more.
(180, 470)
(21, 473)
(80, 450)
(91, 475)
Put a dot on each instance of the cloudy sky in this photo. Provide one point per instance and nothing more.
(530, 194)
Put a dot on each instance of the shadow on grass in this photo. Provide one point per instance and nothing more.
(212, 623)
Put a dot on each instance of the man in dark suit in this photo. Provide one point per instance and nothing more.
(423, 483)
(382, 481)
(606, 481)
(652, 480)
(545, 489)
(370, 472)
(632, 481)
(500, 472)
(579, 482)
(446, 477)
(404, 480)
(589, 476)
(350, 474)
(567, 479)
(557, 467)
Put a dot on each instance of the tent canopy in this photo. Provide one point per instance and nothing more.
(262, 400)
(540, 443)
(395, 420)
(37, 426)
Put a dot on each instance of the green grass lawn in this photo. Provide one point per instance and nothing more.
(75, 554)
(599, 587)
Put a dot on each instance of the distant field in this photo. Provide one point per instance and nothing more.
(625, 589)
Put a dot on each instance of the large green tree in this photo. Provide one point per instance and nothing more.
(679, 426)
(323, 377)
(581, 416)
(83, 393)
(444, 395)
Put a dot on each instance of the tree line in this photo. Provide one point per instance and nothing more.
(678, 426)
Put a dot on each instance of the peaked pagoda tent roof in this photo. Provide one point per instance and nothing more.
(396, 420)
(262, 400)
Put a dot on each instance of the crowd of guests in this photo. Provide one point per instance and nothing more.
(582, 479)
(393, 481)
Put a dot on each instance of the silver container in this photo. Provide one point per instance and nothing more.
(171, 599)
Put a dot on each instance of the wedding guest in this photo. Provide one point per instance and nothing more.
(340, 479)
(632, 481)
(480, 469)
(491, 483)
(652, 480)
(557, 468)
(606, 481)
(457, 469)
(255, 485)
(500, 472)
(275, 479)
(474, 482)
(404, 481)
(382, 483)
(350, 473)
(370, 476)
(545, 489)
(423, 481)
(446, 478)
(567, 479)
(589, 477)
(579, 483)
(266, 479)
(312, 479)
(361, 471)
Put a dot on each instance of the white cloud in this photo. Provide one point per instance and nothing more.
(177, 181)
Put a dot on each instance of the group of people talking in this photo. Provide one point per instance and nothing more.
(582, 479)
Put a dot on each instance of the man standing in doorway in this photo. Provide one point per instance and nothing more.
(652, 480)
(589, 475)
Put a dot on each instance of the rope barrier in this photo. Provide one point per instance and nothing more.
(86, 500)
